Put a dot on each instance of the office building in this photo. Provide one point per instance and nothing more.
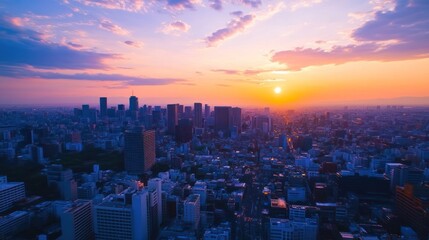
(412, 204)
(286, 229)
(139, 150)
(172, 118)
(223, 120)
(10, 192)
(198, 115)
(155, 184)
(13, 223)
(103, 107)
(206, 111)
(63, 180)
(192, 210)
(184, 130)
(200, 188)
(76, 221)
(236, 118)
(134, 104)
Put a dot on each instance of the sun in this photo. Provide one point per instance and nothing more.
(277, 90)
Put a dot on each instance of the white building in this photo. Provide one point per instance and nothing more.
(10, 192)
(76, 221)
(285, 229)
(123, 216)
(192, 210)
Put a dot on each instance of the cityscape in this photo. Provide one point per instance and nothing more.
(214, 120)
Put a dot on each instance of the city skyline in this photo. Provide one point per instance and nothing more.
(240, 52)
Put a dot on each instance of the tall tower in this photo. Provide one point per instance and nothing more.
(198, 115)
(192, 210)
(139, 150)
(134, 103)
(103, 107)
(172, 118)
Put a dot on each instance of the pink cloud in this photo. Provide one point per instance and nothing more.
(394, 35)
(175, 27)
(235, 26)
(134, 44)
(126, 5)
(111, 27)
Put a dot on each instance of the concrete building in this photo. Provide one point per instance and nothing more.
(10, 192)
(76, 221)
(139, 150)
(192, 210)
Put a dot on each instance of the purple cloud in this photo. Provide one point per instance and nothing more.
(182, 4)
(175, 27)
(111, 27)
(392, 36)
(126, 5)
(216, 4)
(24, 47)
(134, 44)
(252, 3)
(18, 72)
(235, 26)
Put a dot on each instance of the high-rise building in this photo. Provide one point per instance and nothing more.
(223, 120)
(10, 192)
(103, 107)
(76, 221)
(206, 111)
(188, 112)
(85, 111)
(134, 104)
(200, 188)
(155, 184)
(412, 206)
(180, 110)
(184, 131)
(192, 210)
(139, 150)
(236, 118)
(13, 223)
(198, 115)
(172, 118)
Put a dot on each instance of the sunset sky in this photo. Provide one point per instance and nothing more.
(221, 52)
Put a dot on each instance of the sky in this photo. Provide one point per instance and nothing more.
(220, 52)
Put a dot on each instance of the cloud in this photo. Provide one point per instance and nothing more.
(111, 27)
(235, 26)
(23, 47)
(247, 72)
(252, 3)
(18, 72)
(125, 5)
(391, 36)
(134, 44)
(216, 4)
(175, 27)
(182, 4)
(74, 45)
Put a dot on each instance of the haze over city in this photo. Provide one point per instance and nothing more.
(218, 52)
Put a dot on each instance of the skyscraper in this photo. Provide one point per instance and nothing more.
(236, 118)
(198, 115)
(10, 192)
(223, 120)
(139, 150)
(206, 111)
(184, 131)
(103, 107)
(172, 118)
(134, 103)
